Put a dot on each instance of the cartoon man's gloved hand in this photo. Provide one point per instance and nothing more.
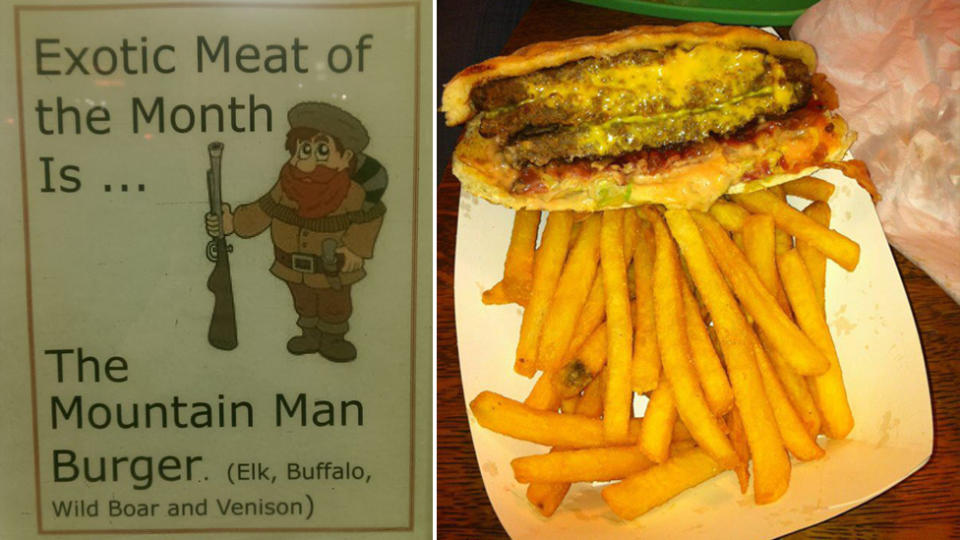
(213, 222)
(351, 261)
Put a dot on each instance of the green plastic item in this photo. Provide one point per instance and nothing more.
(752, 12)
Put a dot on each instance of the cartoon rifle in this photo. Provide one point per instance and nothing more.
(223, 322)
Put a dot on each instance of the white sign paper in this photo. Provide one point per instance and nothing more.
(290, 392)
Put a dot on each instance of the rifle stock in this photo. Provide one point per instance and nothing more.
(223, 323)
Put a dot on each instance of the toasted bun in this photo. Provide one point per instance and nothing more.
(474, 181)
(457, 107)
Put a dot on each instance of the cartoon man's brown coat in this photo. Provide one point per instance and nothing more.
(291, 236)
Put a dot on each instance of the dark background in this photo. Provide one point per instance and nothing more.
(468, 31)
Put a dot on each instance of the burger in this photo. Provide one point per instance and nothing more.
(671, 115)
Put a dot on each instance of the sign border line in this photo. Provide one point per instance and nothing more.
(17, 10)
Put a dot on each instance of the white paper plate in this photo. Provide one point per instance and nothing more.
(879, 351)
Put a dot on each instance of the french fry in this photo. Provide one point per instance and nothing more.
(656, 485)
(570, 379)
(617, 405)
(680, 432)
(546, 497)
(771, 466)
(630, 233)
(834, 245)
(730, 215)
(518, 267)
(713, 379)
(514, 419)
(586, 465)
(810, 188)
(546, 273)
(591, 402)
(828, 390)
(739, 439)
(784, 242)
(796, 439)
(737, 237)
(656, 429)
(543, 395)
(787, 338)
(575, 229)
(816, 264)
(646, 355)
(796, 387)
(675, 352)
(815, 261)
(592, 314)
(571, 293)
(759, 242)
(497, 295)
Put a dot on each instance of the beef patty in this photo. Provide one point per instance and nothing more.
(607, 106)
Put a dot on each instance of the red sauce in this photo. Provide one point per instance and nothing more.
(783, 163)
(580, 169)
(653, 160)
(819, 153)
(530, 181)
(761, 170)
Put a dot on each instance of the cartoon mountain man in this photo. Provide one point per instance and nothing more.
(324, 214)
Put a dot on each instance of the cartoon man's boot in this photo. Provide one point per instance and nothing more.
(309, 341)
(335, 348)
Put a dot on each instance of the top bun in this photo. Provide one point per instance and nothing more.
(458, 108)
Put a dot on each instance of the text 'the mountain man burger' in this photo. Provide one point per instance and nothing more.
(671, 115)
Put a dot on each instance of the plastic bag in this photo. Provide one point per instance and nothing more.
(896, 67)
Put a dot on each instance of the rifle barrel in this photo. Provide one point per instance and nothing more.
(215, 151)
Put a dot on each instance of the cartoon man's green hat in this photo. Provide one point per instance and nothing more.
(331, 120)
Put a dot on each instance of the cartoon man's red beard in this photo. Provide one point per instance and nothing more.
(318, 192)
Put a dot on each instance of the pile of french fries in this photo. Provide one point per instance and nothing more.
(717, 317)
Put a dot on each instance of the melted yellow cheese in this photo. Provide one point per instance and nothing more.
(672, 79)
(601, 139)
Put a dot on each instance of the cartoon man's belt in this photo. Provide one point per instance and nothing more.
(328, 263)
(327, 224)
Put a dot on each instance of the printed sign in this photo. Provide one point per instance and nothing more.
(215, 232)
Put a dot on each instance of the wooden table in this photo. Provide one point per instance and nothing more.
(925, 505)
